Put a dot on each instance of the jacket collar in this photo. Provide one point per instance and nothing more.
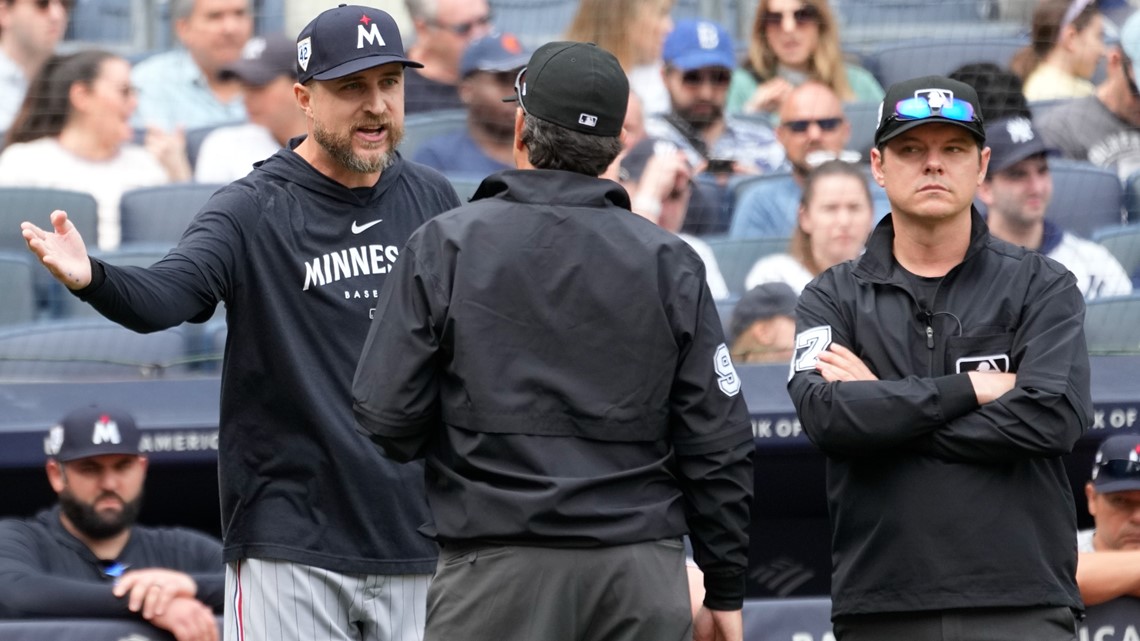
(877, 262)
(552, 187)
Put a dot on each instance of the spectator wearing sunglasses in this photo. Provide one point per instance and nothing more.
(812, 130)
(944, 374)
(489, 69)
(73, 131)
(1108, 561)
(444, 29)
(29, 33)
(1103, 128)
(1017, 191)
(634, 31)
(1067, 43)
(183, 88)
(699, 60)
(794, 41)
(87, 556)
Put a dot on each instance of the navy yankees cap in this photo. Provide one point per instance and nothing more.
(92, 431)
(1117, 464)
(495, 53)
(263, 60)
(921, 101)
(576, 85)
(1012, 140)
(347, 39)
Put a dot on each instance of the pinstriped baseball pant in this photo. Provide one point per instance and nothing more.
(268, 600)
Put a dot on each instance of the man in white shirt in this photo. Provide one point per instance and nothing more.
(29, 33)
(266, 72)
(1017, 191)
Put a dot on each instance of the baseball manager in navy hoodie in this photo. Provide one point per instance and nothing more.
(319, 529)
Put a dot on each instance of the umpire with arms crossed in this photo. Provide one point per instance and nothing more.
(944, 373)
(559, 363)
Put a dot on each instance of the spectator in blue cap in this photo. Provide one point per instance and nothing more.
(699, 60)
(488, 71)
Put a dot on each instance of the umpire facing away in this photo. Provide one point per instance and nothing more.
(558, 362)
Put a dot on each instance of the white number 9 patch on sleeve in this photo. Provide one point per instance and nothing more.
(809, 344)
(726, 377)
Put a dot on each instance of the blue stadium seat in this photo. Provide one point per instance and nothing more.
(1132, 197)
(864, 119)
(1085, 197)
(1124, 243)
(35, 204)
(736, 256)
(897, 61)
(421, 127)
(1112, 325)
(465, 185)
(17, 273)
(160, 214)
(90, 349)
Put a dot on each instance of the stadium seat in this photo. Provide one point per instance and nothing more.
(1112, 325)
(88, 349)
(35, 204)
(465, 185)
(160, 214)
(1132, 197)
(194, 138)
(421, 127)
(898, 61)
(535, 23)
(735, 256)
(1124, 243)
(864, 119)
(18, 276)
(1085, 197)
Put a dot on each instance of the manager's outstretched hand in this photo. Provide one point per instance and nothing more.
(62, 250)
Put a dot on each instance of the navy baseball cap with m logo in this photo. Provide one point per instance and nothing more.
(92, 431)
(347, 39)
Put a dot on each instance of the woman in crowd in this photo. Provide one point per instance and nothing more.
(1067, 42)
(73, 132)
(634, 31)
(835, 219)
(793, 41)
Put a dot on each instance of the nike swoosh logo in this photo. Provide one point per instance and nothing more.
(356, 229)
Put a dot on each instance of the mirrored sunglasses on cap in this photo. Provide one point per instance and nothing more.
(920, 107)
(1117, 468)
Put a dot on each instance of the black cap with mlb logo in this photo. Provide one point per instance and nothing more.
(92, 431)
(576, 85)
(936, 99)
(347, 39)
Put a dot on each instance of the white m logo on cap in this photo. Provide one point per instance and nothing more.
(371, 34)
(106, 431)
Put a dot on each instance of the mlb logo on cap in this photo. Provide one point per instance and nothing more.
(588, 120)
(347, 39)
(92, 431)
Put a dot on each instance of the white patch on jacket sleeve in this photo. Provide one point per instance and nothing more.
(809, 344)
(726, 377)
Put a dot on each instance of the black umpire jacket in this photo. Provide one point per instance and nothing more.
(935, 502)
(559, 362)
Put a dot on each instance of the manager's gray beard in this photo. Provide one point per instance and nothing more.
(340, 148)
